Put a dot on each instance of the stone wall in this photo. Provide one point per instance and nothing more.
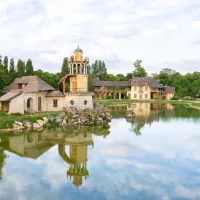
(79, 101)
(61, 103)
(17, 104)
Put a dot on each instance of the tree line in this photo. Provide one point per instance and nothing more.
(185, 85)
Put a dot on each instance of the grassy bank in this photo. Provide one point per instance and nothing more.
(108, 102)
(7, 120)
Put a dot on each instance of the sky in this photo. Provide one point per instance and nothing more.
(160, 33)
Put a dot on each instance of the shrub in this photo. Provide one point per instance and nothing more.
(175, 98)
(188, 98)
(109, 97)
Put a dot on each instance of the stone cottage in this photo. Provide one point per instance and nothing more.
(30, 94)
(136, 88)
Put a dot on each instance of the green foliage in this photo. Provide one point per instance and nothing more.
(175, 98)
(12, 71)
(188, 98)
(98, 69)
(64, 68)
(109, 97)
(29, 67)
(20, 68)
(139, 71)
(5, 64)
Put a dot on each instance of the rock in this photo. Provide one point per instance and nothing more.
(97, 106)
(27, 124)
(36, 126)
(58, 120)
(50, 118)
(64, 122)
(16, 126)
(40, 122)
(18, 123)
(45, 119)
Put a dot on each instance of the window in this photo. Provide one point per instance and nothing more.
(72, 102)
(29, 103)
(20, 86)
(85, 102)
(146, 96)
(55, 103)
(135, 96)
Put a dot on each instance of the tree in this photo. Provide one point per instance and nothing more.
(5, 64)
(139, 70)
(29, 67)
(20, 68)
(64, 69)
(120, 77)
(98, 69)
(12, 72)
(128, 76)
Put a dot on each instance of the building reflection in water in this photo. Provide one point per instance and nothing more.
(33, 145)
(147, 113)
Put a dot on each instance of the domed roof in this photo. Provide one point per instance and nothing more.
(78, 50)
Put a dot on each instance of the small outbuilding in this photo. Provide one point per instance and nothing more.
(31, 94)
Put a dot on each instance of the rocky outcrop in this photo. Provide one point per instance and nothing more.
(71, 116)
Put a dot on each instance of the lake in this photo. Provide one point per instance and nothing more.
(154, 156)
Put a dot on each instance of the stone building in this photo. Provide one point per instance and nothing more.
(136, 88)
(31, 94)
(78, 95)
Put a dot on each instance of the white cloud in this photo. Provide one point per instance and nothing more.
(162, 34)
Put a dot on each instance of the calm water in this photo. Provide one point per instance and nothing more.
(156, 156)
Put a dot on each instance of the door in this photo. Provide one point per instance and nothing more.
(39, 103)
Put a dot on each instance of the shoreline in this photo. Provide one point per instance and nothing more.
(8, 120)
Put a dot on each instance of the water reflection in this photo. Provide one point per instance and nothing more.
(107, 162)
(148, 113)
(33, 145)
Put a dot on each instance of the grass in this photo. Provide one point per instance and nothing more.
(7, 120)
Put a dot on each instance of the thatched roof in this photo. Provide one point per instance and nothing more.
(54, 94)
(10, 95)
(32, 84)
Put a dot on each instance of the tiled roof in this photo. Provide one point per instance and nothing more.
(33, 84)
(98, 83)
(55, 93)
(146, 80)
(10, 95)
(168, 89)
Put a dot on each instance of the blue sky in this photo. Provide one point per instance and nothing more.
(161, 33)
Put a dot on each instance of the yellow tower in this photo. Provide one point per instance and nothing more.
(78, 67)
(78, 96)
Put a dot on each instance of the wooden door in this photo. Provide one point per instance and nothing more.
(39, 103)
